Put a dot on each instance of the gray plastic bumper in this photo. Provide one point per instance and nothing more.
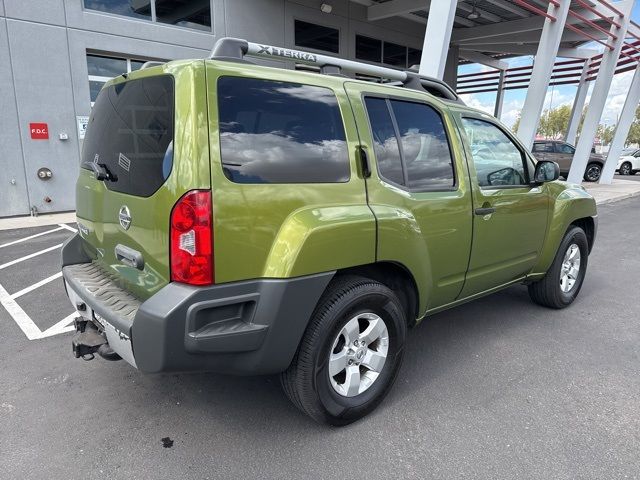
(250, 327)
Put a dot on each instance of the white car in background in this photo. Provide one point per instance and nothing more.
(629, 164)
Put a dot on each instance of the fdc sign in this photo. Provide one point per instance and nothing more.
(39, 131)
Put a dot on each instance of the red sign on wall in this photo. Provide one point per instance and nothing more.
(39, 131)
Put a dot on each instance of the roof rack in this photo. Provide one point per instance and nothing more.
(151, 63)
(235, 49)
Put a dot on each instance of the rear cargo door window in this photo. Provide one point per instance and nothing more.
(130, 133)
(280, 132)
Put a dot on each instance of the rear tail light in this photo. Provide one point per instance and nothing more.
(192, 239)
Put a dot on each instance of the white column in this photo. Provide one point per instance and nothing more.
(497, 110)
(598, 99)
(542, 68)
(578, 105)
(437, 37)
(622, 128)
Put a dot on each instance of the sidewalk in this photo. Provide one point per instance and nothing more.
(618, 190)
(45, 219)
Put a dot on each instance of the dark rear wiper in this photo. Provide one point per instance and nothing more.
(101, 171)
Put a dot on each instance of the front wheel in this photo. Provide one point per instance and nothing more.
(562, 283)
(593, 172)
(350, 353)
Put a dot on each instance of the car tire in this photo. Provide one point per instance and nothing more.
(314, 381)
(625, 169)
(593, 172)
(562, 283)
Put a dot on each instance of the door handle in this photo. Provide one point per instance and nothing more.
(129, 256)
(484, 211)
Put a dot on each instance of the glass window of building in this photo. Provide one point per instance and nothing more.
(318, 37)
(102, 68)
(413, 57)
(369, 49)
(395, 54)
(183, 13)
(129, 8)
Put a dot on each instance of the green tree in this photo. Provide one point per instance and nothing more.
(634, 131)
(554, 122)
(516, 124)
(605, 132)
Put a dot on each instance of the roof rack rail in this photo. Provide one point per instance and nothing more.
(235, 49)
(151, 63)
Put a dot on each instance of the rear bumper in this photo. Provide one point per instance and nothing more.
(250, 327)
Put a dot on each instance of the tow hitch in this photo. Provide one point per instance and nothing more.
(88, 340)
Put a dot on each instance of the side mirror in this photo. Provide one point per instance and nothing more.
(546, 171)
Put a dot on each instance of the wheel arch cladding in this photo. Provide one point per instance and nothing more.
(396, 277)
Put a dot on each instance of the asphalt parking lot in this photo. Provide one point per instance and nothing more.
(498, 388)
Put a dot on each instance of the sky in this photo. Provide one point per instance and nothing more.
(556, 96)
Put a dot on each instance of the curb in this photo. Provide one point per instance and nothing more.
(618, 198)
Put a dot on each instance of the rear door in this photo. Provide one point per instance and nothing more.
(418, 189)
(145, 131)
(510, 214)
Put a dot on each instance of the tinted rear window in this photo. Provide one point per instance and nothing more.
(130, 133)
(280, 132)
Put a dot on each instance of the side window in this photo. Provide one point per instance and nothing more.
(565, 148)
(542, 148)
(425, 149)
(410, 144)
(280, 132)
(497, 159)
(385, 142)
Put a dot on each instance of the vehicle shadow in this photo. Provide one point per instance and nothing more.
(443, 345)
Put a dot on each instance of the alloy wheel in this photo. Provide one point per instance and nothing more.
(358, 354)
(570, 268)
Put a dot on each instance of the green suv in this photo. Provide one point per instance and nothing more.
(252, 220)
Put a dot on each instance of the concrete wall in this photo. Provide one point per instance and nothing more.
(45, 77)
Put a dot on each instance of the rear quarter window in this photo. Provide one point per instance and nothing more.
(280, 132)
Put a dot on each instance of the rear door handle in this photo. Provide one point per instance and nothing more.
(129, 256)
(484, 211)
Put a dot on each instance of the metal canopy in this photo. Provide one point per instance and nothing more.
(502, 28)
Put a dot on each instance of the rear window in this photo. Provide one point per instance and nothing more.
(280, 132)
(130, 133)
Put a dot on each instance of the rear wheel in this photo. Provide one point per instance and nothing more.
(562, 283)
(593, 172)
(350, 354)
(625, 169)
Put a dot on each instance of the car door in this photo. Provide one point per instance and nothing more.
(510, 213)
(541, 150)
(564, 155)
(419, 189)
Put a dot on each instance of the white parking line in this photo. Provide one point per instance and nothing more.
(23, 320)
(30, 288)
(67, 227)
(27, 257)
(34, 236)
(28, 326)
